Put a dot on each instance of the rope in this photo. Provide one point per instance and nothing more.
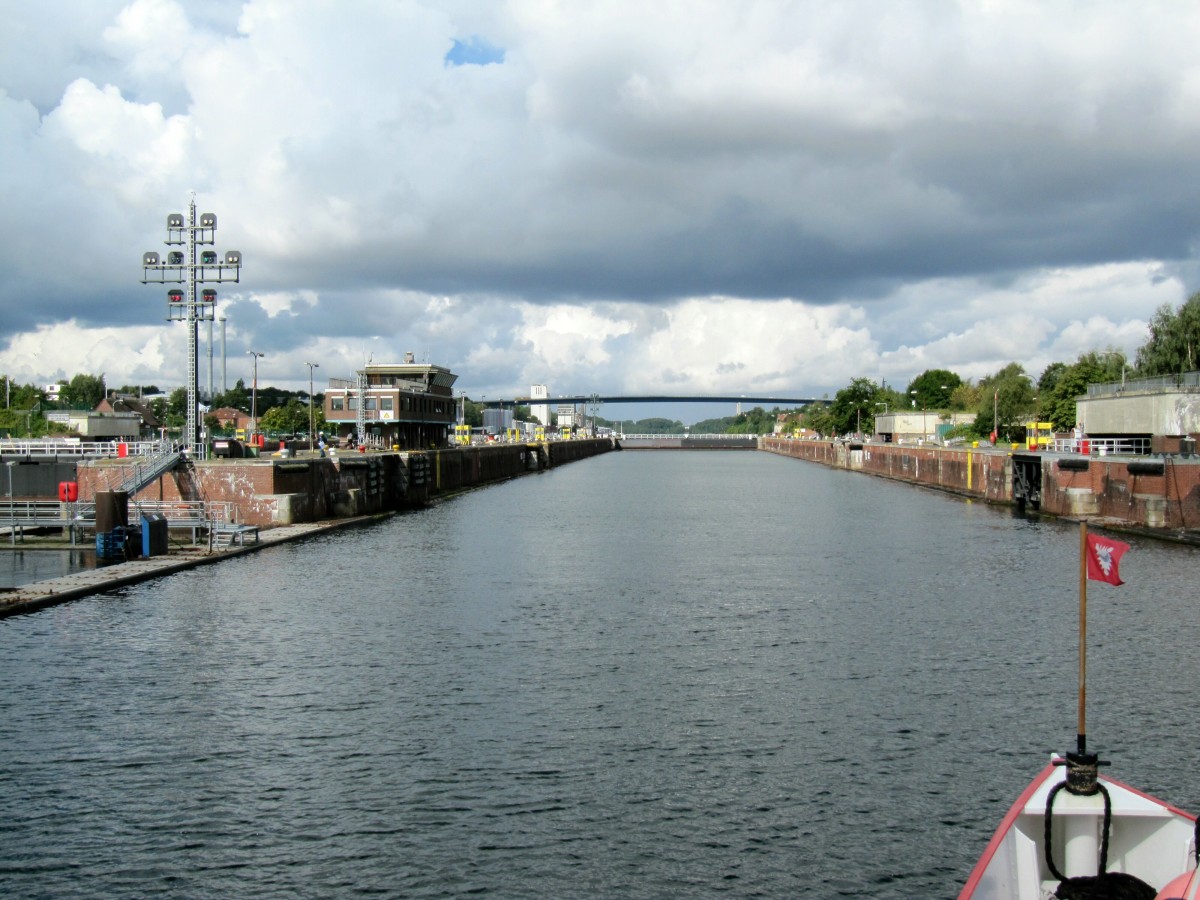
(1104, 885)
(1103, 837)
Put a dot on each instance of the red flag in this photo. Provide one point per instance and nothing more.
(1103, 557)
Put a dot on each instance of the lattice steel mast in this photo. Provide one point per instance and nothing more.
(190, 306)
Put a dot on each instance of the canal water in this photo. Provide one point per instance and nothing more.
(650, 674)
(19, 565)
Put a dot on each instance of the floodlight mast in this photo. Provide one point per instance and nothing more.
(192, 307)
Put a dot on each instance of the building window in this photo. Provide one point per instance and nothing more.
(336, 403)
(368, 402)
(351, 403)
(385, 403)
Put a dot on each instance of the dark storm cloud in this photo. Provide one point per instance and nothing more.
(509, 183)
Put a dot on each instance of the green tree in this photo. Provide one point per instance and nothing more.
(1006, 400)
(934, 389)
(473, 413)
(657, 426)
(713, 426)
(756, 421)
(1174, 342)
(26, 396)
(82, 392)
(291, 418)
(1058, 394)
(1051, 375)
(138, 390)
(818, 417)
(966, 396)
(237, 397)
(853, 409)
(174, 412)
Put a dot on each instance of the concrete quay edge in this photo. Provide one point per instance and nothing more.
(39, 594)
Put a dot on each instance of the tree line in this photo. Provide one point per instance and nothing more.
(25, 405)
(1001, 401)
(1004, 400)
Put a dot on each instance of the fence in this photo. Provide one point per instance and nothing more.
(74, 447)
(1160, 383)
(1102, 446)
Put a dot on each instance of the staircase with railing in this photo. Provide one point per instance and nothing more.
(149, 468)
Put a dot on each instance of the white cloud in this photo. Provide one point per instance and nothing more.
(683, 194)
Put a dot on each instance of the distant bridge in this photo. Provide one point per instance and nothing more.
(656, 398)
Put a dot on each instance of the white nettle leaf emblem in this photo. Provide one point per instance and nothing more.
(1104, 557)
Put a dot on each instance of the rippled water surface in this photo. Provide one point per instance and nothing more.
(650, 674)
(19, 565)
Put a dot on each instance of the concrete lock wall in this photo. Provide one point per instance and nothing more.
(268, 492)
(961, 470)
(1162, 492)
(1152, 492)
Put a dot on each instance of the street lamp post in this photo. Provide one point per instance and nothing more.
(254, 392)
(311, 425)
(937, 439)
(924, 425)
(995, 415)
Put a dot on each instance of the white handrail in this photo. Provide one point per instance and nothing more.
(74, 447)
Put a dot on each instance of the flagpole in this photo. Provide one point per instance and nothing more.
(1082, 736)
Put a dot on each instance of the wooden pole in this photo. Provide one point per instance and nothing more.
(1082, 736)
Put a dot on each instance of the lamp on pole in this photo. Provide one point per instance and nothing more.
(924, 426)
(995, 415)
(254, 391)
(937, 438)
(188, 267)
(311, 425)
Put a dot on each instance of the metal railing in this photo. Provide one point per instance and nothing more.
(34, 513)
(1102, 446)
(1160, 383)
(75, 447)
(687, 437)
(196, 515)
(150, 467)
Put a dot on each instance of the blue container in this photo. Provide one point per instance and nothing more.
(154, 535)
(110, 544)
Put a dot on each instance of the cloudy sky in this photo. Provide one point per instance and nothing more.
(682, 196)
